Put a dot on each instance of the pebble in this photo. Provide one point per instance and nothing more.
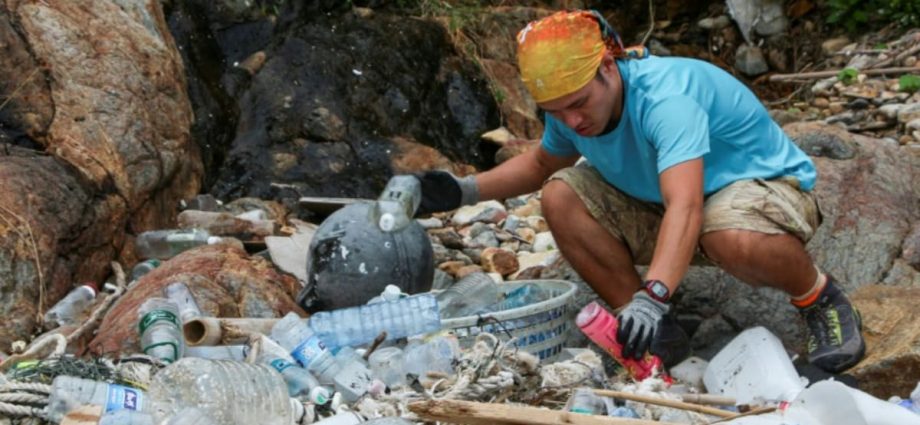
(858, 104)
(544, 242)
(913, 125)
(430, 223)
(750, 60)
(489, 212)
(820, 102)
(910, 61)
(890, 110)
(909, 113)
(836, 107)
(905, 139)
(716, 23)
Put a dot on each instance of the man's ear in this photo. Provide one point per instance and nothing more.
(608, 64)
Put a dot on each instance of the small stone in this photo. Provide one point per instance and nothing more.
(530, 260)
(488, 212)
(783, 117)
(905, 139)
(836, 107)
(750, 60)
(909, 61)
(909, 113)
(363, 12)
(499, 260)
(846, 118)
(451, 267)
(820, 102)
(430, 223)
(858, 104)
(532, 207)
(834, 45)
(527, 234)
(913, 125)
(486, 239)
(512, 245)
(442, 280)
(253, 63)
(715, 23)
(537, 223)
(474, 254)
(499, 136)
(466, 270)
(448, 237)
(544, 242)
(477, 229)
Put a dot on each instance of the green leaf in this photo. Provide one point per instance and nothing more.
(848, 75)
(909, 83)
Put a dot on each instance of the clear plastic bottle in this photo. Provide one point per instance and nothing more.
(126, 417)
(217, 352)
(68, 393)
(355, 326)
(294, 335)
(472, 293)
(230, 393)
(585, 401)
(388, 364)
(179, 293)
(70, 308)
(191, 416)
(165, 244)
(144, 267)
(398, 202)
(346, 372)
(301, 383)
(160, 331)
(435, 355)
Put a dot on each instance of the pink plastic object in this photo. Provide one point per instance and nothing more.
(601, 326)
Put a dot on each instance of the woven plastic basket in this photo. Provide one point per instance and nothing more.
(539, 328)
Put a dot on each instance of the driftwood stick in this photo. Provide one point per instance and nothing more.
(897, 58)
(752, 412)
(708, 399)
(473, 413)
(825, 74)
(667, 403)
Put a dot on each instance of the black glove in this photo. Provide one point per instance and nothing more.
(638, 323)
(442, 191)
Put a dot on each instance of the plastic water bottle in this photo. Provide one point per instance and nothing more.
(346, 372)
(585, 401)
(294, 335)
(398, 202)
(126, 417)
(69, 309)
(160, 331)
(143, 268)
(165, 244)
(179, 293)
(301, 384)
(191, 416)
(230, 393)
(601, 327)
(68, 393)
(217, 352)
(472, 293)
(435, 355)
(389, 364)
(753, 368)
(360, 325)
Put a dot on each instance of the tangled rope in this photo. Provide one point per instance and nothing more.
(21, 399)
(488, 371)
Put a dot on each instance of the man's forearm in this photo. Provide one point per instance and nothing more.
(677, 240)
(522, 174)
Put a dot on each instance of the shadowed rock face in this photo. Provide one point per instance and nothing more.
(95, 101)
(328, 101)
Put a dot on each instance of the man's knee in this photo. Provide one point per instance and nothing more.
(727, 246)
(558, 200)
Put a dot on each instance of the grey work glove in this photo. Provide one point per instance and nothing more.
(443, 191)
(638, 323)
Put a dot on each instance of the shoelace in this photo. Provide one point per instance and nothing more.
(817, 320)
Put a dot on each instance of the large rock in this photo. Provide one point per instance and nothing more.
(96, 92)
(892, 331)
(225, 281)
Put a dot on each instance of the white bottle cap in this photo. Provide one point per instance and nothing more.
(320, 395)
(214, 239)
(92, 287)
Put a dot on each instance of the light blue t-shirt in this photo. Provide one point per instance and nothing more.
(676, 110)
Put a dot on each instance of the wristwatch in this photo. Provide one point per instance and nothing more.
(657, 290)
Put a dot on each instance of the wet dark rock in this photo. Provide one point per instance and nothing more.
(858, 104)
(830, 144)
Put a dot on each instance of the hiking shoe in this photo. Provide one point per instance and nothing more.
(835, 341)
(670, 343)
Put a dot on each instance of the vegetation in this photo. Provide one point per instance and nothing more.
(848, 75)
(856, 15)
(909, 83)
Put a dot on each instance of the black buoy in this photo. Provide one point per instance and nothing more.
(360, 249)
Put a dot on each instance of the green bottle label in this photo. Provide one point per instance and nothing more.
(156, 316)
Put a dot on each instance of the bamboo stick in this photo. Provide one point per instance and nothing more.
(473, 413)
(833, 73)
(666, 403)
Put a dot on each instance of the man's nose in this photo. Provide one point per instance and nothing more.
(572, 119)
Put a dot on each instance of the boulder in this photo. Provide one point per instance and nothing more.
(225, 281)
(101, 121)
(890, 325)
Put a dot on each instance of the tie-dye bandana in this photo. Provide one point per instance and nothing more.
(560, 53)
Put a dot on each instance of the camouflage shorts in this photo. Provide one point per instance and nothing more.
(766, 206)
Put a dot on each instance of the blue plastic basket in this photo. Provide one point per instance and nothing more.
(540, 328)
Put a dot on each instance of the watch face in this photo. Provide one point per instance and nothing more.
(658, 289)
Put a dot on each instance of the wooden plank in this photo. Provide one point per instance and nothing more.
(326, 206)
(667, 403)
(83, 415)
(473, 413)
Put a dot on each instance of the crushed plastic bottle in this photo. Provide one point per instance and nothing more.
(585, 401)
(601, 327)
(356, 326)
(472, 293)
(388, 364)
(69, 309)
(144, 267)
(179, 293)
(126, 417)
(68, 393)
(301, 384)
(434, 355)
(165, 244)
(230, 393)
(345, 371)
(160, 331)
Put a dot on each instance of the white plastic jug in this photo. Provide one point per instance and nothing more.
(753, 368)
